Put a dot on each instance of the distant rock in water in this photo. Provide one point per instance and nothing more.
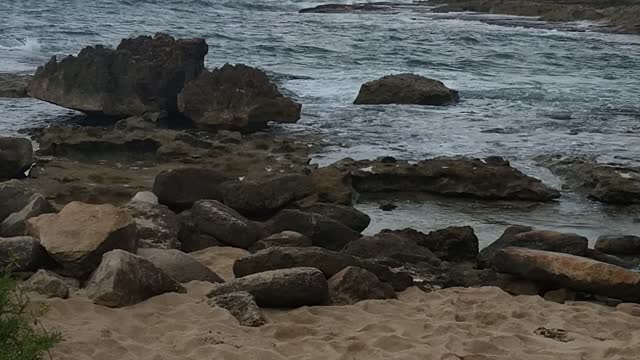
(348, 8)
(144, 74)
(236, 97)
(14, 86)
(406, 89)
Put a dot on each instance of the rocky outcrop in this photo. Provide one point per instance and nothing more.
(181, 188)
(14, 86)
(285, 288)
(619, 244)
(347, 215)
(224, 224)
(242, 305)
(158, 226)
(333, 186)
(390, 245)
(282, 239)
(22, 253)
(50, 284)
(143, 74)
(570, 271)
(491, 178)
(322, 231)
(78, 236)
(180, 266)
(406, 89)
(455, 243)
(236, 97)
(125, 279)
(15, 224)
(354, 284)
(16, 157)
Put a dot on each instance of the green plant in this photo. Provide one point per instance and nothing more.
(22, 336)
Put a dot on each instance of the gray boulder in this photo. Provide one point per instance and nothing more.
(242, 305)
(180, 266)
(347, 215)
(24, 253)
(354, 284)
(50, 284)
(389, 245)
(224, 224)
(13, 196)
(16, 157)
(406, 89)
(15, 224)
(158, 226)
(181, 188)
(191, 238)
(282, 239)
(619, 244)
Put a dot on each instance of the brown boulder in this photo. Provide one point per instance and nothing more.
(618, 245)
(389, 245)
(333, 186)
(242, 305)
(406, 89)
(354, 284)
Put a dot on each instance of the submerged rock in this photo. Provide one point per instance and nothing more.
(347, 8)
(406, 89)
(16, 157)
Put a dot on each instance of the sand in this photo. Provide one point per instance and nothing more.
(457, 323)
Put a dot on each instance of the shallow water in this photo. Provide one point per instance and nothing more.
(525, 91)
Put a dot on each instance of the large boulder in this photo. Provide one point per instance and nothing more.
(16, 157)
(333, 186)
(14, 85)
(193, 238)
(455, 243)
(266, 196)
(236, 97)
(13, 197)
(406, 89)
(354, 284)
(158, 226)
(491, 178)
(50, 284)
(282, 239)
(181, 188)
(23, 253)
(322, 231)
(78, 236)
(390, 245)
(15, 224)
(224, 224)
(125, 279)
(570, 271)
(285, 288)
(180, 266)
(619, 244)
(242, 305)
(526, 237)
(143, 74)
(347, 215)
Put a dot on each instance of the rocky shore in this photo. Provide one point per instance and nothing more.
(173, 210)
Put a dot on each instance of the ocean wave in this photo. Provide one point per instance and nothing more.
(28, 45)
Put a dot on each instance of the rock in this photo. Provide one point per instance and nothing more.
(628, 308)
(50, 284)
(78, 236)
(125, 279)
(333, 186)
(329, 262)
(14, 86)
(191, 237)
(609, 259)
(224, 224)
(619, 245)
(143, 74)
(347, 8)
(15, 224)
(146, 197)
(16, 157)
(406, 89)
(266, 196)
(526, 237)
(389, 245)
(286, 288)
(242, 306)
(455, 243)
(282, 239)
(13, 197)
(570, 271)
(24, 253)
(560, 295)
(464, 275)
(322, 231)
(180, 266)
(354, 284)
(491, 178)
(181, 188)
(388, 206)
(158, 226)
(236, 97)
(347, 215)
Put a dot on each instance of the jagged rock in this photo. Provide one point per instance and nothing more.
(15, 224)
(570, 271)
(526, 237)
(143, 74)
(236, 97)
(354, 284)
(406, 89)
(242, 305)
(347, 215)
(78, 236)
(455, 243)
(158, 226)
(282, 239)
(329, 262)
(287, 288)
(619, 245)
(180, 266)
(191, 237)
(50, 284)
(491, 178)
(266, 196)
(16, 157)
(14, 86)
(333, 186)
(322, 231)
(13, 197)
(389, 245)
(224, 224)
(24, 253)
(125, 279)
(181, 188)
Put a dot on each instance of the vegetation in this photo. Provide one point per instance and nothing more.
(22, 337)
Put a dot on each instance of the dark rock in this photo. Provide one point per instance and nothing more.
(144, 74)
(354, 284)
(389, 245)
(242, 305)
(224, 224)
(236, 98)
(125, 279)
(455, 243)
(157, 225)
(14, 86)
(191, 238)
(13, 197)
(388, 207)
(609, 259)
(16, 157)
(15, 224)
(560, 295)
(347, 8)
(322, 231)
(619, 245)
(347, 215)
(181, 188)
(333, 186)
(406, 89)
(24, 253)
(464, 275)
(282, 239)
(287, 288)
(50, 284)
(180, 266)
